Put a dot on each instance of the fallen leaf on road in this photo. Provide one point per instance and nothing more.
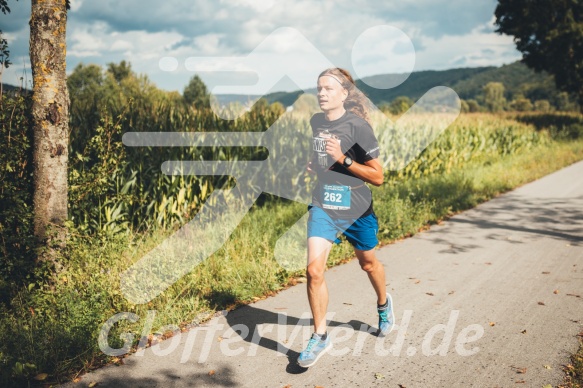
(349, 304)
(92, 384)
(40, 376)
(417, 281)
(402, 386)
(378, 376)
(575, 295)
(520, 381)
(488, 263)
(288, 386)
(212, 372)
(546, 272)
(318, 386)
(451, 292)
(556, 292)
(541, 303)
(492, 323)
(523, 331)
(548, 386)
(518, 370)
(429, 293)
(219, 339)
(547, 367)
(117, 360)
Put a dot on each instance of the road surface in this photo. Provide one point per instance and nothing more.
(492, 297)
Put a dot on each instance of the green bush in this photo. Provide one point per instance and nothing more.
(121, 205)
(17, 243)
(560, 126)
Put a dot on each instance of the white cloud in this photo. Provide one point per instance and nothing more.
(121, 45)
(259, 6)
(445, 34)
(76, 4)
(87, 41)
(478, 48)
(210, 44)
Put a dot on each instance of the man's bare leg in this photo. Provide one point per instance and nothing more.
(375, 271)
(318, 251)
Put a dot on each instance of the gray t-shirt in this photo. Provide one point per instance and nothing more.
(339, 192)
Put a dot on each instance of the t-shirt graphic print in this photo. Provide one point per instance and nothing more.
(320, 147)
(338, 191)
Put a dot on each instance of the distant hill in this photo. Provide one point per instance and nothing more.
(467, 82)
(418, 83)
(11, 90)
(517, 79)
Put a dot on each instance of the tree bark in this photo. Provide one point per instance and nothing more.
(50, 112)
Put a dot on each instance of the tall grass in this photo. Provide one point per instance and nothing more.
(115, 188)
(52, 325)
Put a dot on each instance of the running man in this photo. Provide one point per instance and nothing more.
(345, 156)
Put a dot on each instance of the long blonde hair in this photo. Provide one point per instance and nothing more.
(356, 102)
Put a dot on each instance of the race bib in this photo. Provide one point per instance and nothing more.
(336, 197)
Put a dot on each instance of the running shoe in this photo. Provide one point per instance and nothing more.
(316, 347)
(386, 317)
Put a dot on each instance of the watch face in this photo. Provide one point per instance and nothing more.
(348, 161)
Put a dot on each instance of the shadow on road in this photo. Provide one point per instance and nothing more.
(170, 378)
(252, 317)
(538, 217)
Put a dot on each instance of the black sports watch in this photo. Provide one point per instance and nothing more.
(347, 162)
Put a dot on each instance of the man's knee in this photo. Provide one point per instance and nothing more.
(315, 273)
(368, 266)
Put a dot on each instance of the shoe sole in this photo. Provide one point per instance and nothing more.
(390, 299)
(318, 357)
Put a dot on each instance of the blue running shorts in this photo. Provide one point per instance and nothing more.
(361, 233)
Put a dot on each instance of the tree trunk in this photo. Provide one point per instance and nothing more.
(50, 112)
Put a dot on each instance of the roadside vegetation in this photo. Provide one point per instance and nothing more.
(122, 206)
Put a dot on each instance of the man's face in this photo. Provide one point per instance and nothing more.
(331, 94)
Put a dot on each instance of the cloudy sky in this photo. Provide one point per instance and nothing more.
(272, 38)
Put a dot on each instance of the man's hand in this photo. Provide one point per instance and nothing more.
(333, 149)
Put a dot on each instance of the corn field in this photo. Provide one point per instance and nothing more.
(114, 188)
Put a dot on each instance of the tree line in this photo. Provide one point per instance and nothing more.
(547, 32)
(493, 98)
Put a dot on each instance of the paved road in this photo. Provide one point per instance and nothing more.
(488, 294)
